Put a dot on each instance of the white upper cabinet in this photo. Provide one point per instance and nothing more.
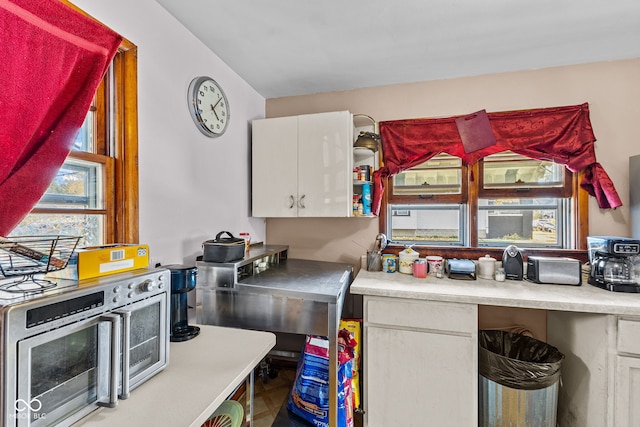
(274, 170)
(302, 166)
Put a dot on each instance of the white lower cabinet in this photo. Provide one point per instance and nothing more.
(601, 372)
(420, 363)
(627, 388)
(627, 391)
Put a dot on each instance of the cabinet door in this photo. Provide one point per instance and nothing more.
(325, 164)
(420, 363)
(627, 395)
(274, 170)
(419, 379)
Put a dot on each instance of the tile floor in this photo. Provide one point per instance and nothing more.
(269, 396)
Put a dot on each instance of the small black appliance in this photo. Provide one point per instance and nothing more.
(512, 263)
(183, 280)
(615, 263)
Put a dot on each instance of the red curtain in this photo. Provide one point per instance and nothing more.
(562, 134)
(52, 59)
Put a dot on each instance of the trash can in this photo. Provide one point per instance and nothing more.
(518, 381)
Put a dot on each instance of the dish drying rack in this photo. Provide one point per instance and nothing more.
(26, 256)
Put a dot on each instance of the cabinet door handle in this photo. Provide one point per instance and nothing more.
(301, 202)
(292, 202)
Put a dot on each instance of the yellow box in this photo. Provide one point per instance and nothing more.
(97, 261)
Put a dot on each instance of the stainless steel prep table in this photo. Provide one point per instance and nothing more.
(291, 296)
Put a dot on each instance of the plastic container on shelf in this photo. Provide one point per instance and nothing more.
(366, 199)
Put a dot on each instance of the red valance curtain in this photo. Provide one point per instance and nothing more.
(52, 59)
(562, 134)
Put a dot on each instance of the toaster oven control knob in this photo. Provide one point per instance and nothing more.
(147, 286)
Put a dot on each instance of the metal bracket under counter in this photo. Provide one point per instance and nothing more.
(287, 295)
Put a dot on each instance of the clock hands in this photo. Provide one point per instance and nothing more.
(213, 108)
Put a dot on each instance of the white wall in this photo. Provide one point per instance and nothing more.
(612, 90)
(191, 186)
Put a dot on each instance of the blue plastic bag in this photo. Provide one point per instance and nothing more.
(309, 397)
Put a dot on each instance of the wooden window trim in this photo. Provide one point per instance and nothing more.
(496, 193)
(122, 224)
(125, 127)
(431, 198)
(580, 210)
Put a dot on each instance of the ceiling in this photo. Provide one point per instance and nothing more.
(296, 47)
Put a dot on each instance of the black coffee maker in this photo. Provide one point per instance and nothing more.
(614, 263)
(183, 280)
(512, 263)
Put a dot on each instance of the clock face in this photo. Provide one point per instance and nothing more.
(208, 105)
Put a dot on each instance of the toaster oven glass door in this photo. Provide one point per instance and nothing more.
(64, 373)
(144, 341)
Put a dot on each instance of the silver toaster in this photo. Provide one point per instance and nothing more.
(555, 271)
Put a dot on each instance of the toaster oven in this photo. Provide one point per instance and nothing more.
(556, 271)
(82, 346)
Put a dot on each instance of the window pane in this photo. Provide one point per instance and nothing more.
(427, 224)
(90, 227)
(440, 175)
(510, 170)
(523, 222)
(78, 185)
(84, 138)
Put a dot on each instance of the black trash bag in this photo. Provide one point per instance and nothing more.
(518, 361)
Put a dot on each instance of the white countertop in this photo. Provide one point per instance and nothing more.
(510, 293)
(201, 374)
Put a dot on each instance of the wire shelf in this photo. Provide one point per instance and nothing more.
(29, 255)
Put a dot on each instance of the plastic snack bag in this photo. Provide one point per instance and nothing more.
(309, 396)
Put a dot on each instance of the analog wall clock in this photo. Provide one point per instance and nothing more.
(208, 106)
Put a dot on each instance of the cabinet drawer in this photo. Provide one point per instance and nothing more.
(629, 336)
(441, 316)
